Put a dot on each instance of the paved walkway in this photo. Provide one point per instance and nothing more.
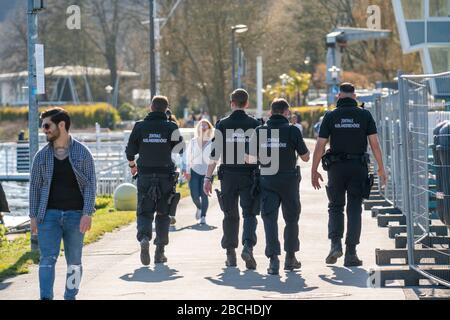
(196, 269)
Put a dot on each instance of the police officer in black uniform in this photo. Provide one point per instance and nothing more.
(237, 179)
(278, 145)
(349, 128)
(154, 139)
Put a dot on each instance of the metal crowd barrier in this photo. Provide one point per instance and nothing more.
(417, 162)
(420, 169)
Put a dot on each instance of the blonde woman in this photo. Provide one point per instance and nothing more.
(197, 156)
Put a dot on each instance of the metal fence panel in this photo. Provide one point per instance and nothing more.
(426, 181)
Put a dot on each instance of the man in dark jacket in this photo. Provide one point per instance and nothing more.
(154, 139)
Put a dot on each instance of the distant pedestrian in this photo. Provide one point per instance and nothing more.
(296, 120)
(62, 201)
(317, 128)
(197, 160)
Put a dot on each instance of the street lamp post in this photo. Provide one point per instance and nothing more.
(334, 75)
(284, 81)
(240, 28)
(152, 49)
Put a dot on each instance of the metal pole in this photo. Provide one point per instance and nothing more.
(157, 47)
(152, 49)
(406, 172)
(33, 111)
(233, 59)
(259, 86)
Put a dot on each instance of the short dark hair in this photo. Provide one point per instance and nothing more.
(57, 115)
(160, 103)
(347, 87)
(279, 106)
(239, 97)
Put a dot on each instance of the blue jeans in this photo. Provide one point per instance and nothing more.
(57, 226)
(198, 196)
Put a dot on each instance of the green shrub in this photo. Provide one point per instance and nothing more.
(103, 202)
(2, 235)
(82, 116)
(127, 112)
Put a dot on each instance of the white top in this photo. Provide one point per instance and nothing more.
(298, 125)
(198, 157)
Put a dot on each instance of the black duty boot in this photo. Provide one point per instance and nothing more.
(351, 258)
(159, 255)
(291, 263)
(335, 252)
(274, 266)
(231, 258)
(247, 256)
(145, 255)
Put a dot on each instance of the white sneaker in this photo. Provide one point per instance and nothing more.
(198, 214)
(203, 221)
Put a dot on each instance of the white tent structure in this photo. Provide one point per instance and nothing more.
(61, 87)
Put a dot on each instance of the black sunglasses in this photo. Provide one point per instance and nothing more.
(46, 126)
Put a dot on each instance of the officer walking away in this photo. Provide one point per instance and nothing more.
(154, 139)
(280, 185)
(348, 128)
(237, 179)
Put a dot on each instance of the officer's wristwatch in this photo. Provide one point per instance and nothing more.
(132, 166)
(210, 179)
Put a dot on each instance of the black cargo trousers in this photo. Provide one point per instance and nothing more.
(281, 189)
(346, 179)
(154, 194)
(239, 188)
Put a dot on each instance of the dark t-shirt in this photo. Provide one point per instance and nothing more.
(348, 127)
(65, 193)
(278, 134)
(233, 134)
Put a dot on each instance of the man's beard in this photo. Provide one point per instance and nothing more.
(54, 137)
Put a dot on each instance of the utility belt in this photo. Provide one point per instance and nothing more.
(330, 158)
(236, 171)
(154, 192)
(255, 187)
(143, 170)
(294, 172)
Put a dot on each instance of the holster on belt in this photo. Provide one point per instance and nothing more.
(256, 189)
(175, 197)
(221, 200)
(220, 173)
(173, 202)
(368, 184)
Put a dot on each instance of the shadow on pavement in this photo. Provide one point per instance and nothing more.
(4, 286)
(195, 227)
(161, 273)
(354, 277)
(252, 280)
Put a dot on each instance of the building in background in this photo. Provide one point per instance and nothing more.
(65, 85)
(424, 26)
